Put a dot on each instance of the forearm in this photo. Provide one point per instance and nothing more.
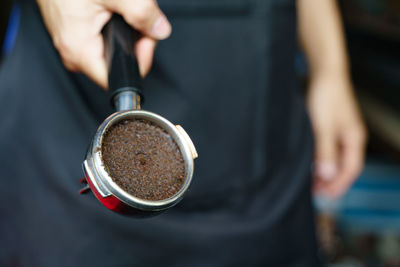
(321, 36)
(339, 132)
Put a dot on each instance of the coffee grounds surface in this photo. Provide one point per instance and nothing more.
(143, 159)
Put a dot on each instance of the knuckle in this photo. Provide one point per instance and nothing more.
(356, 134)
(69, 65)
(67, 51)
(140, 19)
(64, 46)
(142, 14)
(146, 8)
(359, 134)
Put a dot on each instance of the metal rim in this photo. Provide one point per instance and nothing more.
(105, 179)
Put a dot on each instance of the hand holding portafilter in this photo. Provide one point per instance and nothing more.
(125, 89)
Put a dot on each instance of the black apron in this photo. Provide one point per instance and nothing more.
(227, 75)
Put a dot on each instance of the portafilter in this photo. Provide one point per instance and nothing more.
(125, 87)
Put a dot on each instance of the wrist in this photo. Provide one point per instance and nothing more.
(338, 70)
(335, 76)
(331, 84)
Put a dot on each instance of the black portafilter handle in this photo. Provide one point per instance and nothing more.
(123, 68)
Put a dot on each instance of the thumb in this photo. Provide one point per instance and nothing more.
(325, 162)
(143, 15)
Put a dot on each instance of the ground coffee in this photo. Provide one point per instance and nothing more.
(143, 159)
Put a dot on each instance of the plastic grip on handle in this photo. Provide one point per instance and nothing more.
(123, 68)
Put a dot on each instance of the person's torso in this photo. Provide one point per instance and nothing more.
(227, 76)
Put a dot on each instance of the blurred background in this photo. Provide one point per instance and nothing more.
(363, 227)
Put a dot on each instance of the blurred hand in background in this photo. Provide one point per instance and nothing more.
(75, 27)
(340, 134)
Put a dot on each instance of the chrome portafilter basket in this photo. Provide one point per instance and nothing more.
(126, 95)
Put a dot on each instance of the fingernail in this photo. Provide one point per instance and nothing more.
(326, 171)
(161, 28)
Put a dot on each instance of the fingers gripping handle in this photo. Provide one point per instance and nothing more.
(124, 80)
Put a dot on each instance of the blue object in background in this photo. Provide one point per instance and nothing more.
(373, 202)
(372, 205)
(12, 30)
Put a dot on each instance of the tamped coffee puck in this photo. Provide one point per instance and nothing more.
(143, 159)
